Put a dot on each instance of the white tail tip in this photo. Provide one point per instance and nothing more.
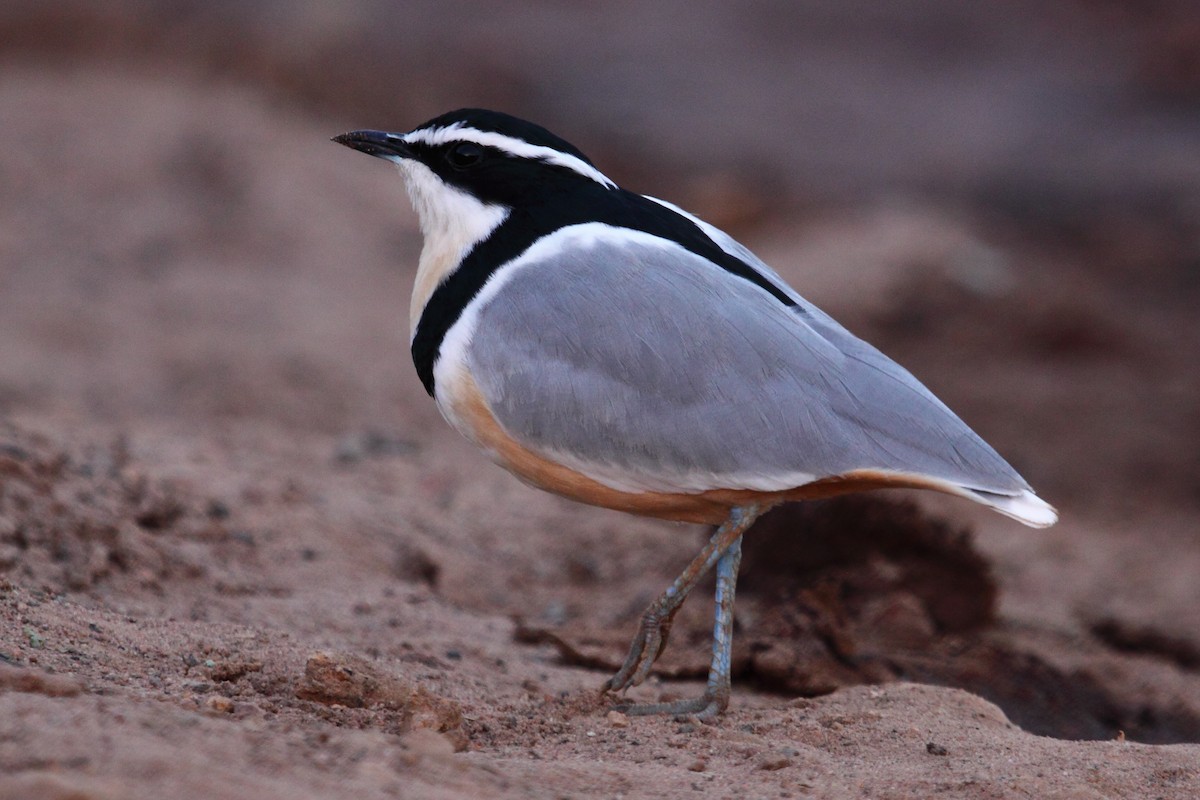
(1026, 507)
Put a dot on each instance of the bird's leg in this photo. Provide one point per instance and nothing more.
(716, 693)
(724, 550)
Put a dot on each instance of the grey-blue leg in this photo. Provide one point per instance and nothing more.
(725, 551)
(719, 671)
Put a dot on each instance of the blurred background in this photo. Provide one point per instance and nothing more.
(974, 184)
(1005, 197)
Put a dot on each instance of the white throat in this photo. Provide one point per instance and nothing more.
(452, 222)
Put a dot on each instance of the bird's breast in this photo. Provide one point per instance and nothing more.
(440, 256)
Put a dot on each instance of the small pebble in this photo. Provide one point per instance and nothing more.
(617, 720)
(935, 749)
(699, 765)
(219, 704)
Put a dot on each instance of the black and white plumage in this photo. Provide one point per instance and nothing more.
(612, 348)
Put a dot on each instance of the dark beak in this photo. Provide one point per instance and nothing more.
(376, 143)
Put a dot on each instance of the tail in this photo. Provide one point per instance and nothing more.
(1022, 505)
(1025, 507)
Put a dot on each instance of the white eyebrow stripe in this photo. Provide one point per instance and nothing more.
(509, 144)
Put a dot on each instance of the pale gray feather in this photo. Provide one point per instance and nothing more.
(651, 360)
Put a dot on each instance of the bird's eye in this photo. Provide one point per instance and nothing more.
(464, 155)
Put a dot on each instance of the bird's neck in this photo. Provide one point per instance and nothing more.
(452, 223)
(444, 250)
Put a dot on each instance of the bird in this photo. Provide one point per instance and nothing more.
(614, 349)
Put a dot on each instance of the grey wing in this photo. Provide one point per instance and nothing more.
(648, 368)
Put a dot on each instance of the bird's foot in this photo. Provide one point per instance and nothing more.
(644, 650)
(706, 707)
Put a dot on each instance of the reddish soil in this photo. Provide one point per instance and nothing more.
(241, 555)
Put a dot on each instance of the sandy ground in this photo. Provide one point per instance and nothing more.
(241, 555)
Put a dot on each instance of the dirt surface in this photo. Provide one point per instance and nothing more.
(242, 556)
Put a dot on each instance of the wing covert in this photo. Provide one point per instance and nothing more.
(648, 368)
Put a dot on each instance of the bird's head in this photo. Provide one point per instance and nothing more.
(475, 162)
(469, 171)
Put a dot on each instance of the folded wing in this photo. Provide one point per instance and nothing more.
(648, 368)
